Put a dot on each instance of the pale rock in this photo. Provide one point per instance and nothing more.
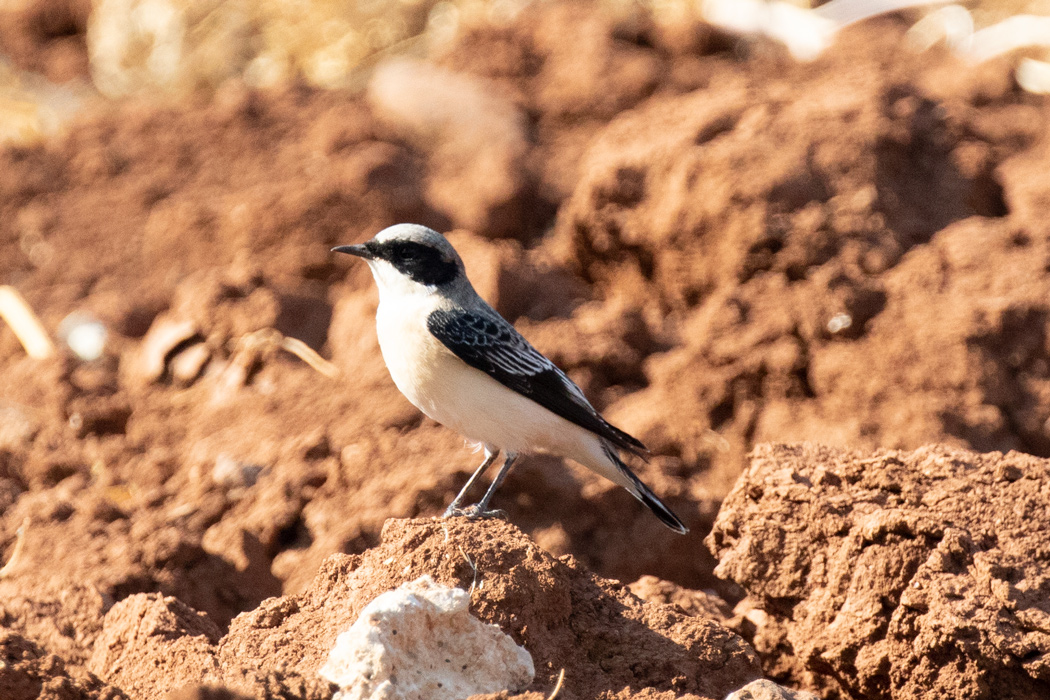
(763, 689)
(187, 366)
(233, 474)
(150, 362)
(84, 334)
(420, 642)
(17, 428)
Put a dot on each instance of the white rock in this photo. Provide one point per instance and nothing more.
(763, 689)
(805, 33)
(84, 334)
(149, 363)
(420, 642)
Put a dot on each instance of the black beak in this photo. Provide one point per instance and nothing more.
(360, 251)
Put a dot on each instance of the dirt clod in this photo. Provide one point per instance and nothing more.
(27, 673)
(721, 246)
(148, 630)
(899, 574)
(606, 639)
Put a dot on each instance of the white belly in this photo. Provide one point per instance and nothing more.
(469, 401)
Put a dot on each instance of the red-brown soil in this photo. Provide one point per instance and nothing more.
(898, 574)
(720, 246)
(606, 639)
(46, 36)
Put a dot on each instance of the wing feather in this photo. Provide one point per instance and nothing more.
(490, 344)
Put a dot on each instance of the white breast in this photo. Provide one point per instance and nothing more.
(419, 364)
(453, 393)
(469, 401)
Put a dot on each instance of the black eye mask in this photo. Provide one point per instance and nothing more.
(421, 263)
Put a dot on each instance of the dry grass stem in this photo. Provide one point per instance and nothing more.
(26, 325)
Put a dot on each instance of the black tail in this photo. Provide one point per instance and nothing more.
(644, 494)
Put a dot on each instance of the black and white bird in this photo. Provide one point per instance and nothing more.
(462, 364)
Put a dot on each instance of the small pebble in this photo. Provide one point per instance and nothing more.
(839, 322)
(84, 334)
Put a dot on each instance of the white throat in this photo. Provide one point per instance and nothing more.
(395, 287)
(399, 290)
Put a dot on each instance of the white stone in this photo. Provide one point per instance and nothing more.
(420, 642)
(763, 689)
(84, 334)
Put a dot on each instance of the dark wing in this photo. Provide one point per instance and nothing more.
(490, 344)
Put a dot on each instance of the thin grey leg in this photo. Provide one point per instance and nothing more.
(490, 457)
(481, 509)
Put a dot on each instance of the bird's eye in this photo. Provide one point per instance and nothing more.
(405, 253)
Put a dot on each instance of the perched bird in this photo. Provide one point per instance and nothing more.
(462, 364)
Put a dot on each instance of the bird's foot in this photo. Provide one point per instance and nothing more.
(474, 512)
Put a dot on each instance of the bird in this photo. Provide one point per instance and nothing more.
(457, 360)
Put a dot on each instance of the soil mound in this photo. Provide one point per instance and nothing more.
(27, 672)
(773, 265)
(607, 640)
(724, 253)
(898, 574)
(720, 246)
(133, 632)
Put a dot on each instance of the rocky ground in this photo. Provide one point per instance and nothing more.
(723, 247)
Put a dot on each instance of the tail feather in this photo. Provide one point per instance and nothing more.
(637, 488)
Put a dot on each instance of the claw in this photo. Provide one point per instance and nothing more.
(474, 512)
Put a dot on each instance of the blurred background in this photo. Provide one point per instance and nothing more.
(730, 221)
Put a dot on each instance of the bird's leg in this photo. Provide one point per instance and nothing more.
(481, 509)
(454, 509)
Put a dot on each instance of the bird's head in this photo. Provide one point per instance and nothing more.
(409, 259)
